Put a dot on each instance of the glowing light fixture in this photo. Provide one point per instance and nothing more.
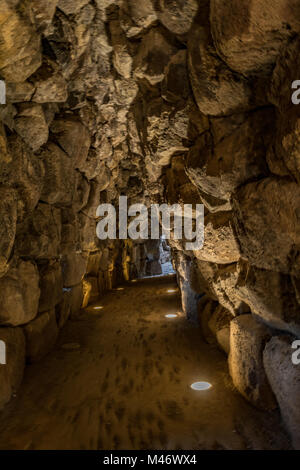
(133, 280)
(98, 308)
(120, 288)
(171, 315)
(171, 290)
(200, 386)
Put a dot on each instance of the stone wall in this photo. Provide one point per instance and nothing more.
(183, 101)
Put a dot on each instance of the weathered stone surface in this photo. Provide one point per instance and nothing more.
(219, 325)
(238, 157)
(25, 173)
(220, 244)
(51, 286)
(20, 53)
(176, 15)
(31, 125)
(271, 296)
(19, 92)
(285, 158)
(224, 285)
(69, 7)
(284, 378)
(266, 217)
(247, 342)
(166, 131)
(218, 91)
(70, 235)
(41, 12)
(82, 192)
(189, 300)
(41, 335)
(73, 268)
(8, 221)
(40, 234)
(19, 294)
(122, 58)
(88, 237)
(248, 36)
(153, 55)
(11, 373)
(136, 16)
(5, 156)
(206, 308)
(74, 138)
(50, 85)
(59, 181)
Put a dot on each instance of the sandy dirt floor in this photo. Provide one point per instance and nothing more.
(119, 378)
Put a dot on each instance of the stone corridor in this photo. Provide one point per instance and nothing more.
(119, 378)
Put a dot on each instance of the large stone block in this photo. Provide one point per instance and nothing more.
(41, 335)
(26, 173)
(39, 236)
(249, 35)
(122, 59)
(70, 7)
(8, 223)
(20, 49)
(19, 294)
(60, 176)
(167, 131)
(73, 268)
(270, 295)
(247, 342)
(11, 373)
(219, 325)
(267, 224)
(50, 85)
(224, 284)
(51, 285)
(285, 158)
(30, 124)
(284, 378)
(74, 138)
(136, 16)
(220, 243)
(177, 15)
(219, 169)
(217, 89)
(153, 56)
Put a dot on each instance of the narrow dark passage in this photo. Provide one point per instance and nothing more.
(120, 376)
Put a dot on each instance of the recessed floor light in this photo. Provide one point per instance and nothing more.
(171, 315)
(200, 386)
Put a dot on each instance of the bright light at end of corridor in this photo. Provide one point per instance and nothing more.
(200, 386)
(171, 290)
(171, 315)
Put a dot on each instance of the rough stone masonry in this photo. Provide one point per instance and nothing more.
(183, 101)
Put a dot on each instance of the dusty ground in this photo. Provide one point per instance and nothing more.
(126, 385)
